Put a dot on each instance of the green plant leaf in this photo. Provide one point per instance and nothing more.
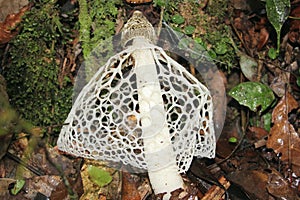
(99, 176)
(178, 19)
(277, 12)
(189, 30)
(221, 48)
(232, 140)
(267, 121)
(160, 3)
(17, 187)
(272, 53)
(253, 95)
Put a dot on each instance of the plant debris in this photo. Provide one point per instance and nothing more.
(8, 28)
(258, 151)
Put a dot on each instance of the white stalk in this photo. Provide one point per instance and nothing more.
(160, 157)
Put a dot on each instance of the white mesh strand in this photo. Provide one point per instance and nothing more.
(104, 122)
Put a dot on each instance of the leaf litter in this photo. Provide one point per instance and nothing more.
(266, 171)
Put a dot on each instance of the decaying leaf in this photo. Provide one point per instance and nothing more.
(257, 133)
(4, 184)
(280, 188)
(11, 6)
(294, 33)
(249, 66)
(279, 82)
(129, 188)
(263, 38)
(283, 108)
(41, 184)
(252, 181)
(282, 137)
(7, 28)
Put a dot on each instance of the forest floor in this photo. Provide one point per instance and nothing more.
(258, 150)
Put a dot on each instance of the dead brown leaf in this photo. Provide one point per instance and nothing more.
(279, 82)
(283, 138)
(7, 28)
(11, 6)
(283, 108)
(279, 141)
(294, 35)
(129, 188)
(263, 38)
(252, 181)
(257, 133)
(279, 187)
(4, 184)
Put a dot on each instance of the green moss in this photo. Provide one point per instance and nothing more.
(97, 22)
(32, 70)
(208, 27)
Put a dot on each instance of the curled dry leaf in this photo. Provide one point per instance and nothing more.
(7, 27)
(283, 138)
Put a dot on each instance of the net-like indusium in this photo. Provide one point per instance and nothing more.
(105, 121)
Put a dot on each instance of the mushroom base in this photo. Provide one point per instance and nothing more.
(166, 181)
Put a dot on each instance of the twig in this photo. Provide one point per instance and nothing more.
(160, 21)
(240, 38)
(21, 162)
(235, 148)
(289, 136)
(215, 192)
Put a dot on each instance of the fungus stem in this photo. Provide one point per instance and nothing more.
(159, 155)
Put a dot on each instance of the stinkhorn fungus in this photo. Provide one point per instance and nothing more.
(144, 110)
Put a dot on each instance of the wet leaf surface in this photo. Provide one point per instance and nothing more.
(279, 187)
(256, 96)
(283, 138)
(277, 12)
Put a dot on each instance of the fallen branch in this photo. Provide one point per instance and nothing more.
(215, 192)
